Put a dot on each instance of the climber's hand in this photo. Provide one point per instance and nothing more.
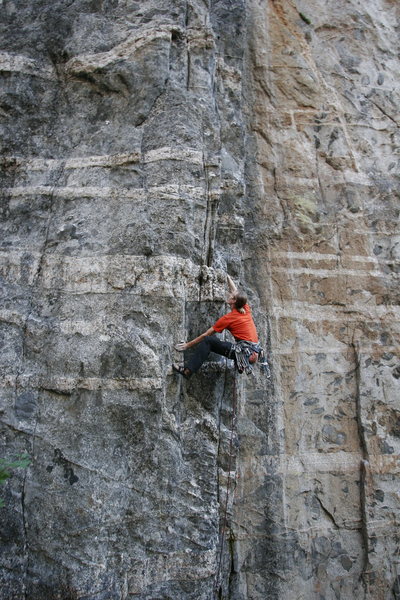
(181, 346)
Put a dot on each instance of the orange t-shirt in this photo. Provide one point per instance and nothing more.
(240, 325)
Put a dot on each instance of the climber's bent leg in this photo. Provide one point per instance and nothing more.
(209, 344)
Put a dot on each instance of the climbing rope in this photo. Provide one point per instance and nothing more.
(228, 486)
(265, 369)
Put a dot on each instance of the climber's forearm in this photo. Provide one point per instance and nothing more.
(231, 285)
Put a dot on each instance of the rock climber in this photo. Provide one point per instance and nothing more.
(239, 322)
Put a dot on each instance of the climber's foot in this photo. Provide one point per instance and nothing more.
(184, 371)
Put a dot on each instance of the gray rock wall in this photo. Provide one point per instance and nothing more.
(146, 150)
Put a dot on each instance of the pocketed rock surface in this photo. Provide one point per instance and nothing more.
(147, 149)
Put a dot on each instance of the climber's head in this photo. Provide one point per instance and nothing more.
(240, 301)
(237, 300)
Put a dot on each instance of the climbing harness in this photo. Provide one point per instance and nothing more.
(246, 354)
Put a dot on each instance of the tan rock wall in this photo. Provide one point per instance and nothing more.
(325, 97)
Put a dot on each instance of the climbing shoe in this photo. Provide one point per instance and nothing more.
(184, 371)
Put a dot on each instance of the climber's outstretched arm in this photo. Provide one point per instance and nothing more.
(232, 287)
(182, 346)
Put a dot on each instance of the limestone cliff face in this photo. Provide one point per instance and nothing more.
(147, 149)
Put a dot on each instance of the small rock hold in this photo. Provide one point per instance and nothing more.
(347, 563)
(385, 448)
(396, 372)
(333, 436)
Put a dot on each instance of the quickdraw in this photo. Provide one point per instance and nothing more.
(246, 354)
